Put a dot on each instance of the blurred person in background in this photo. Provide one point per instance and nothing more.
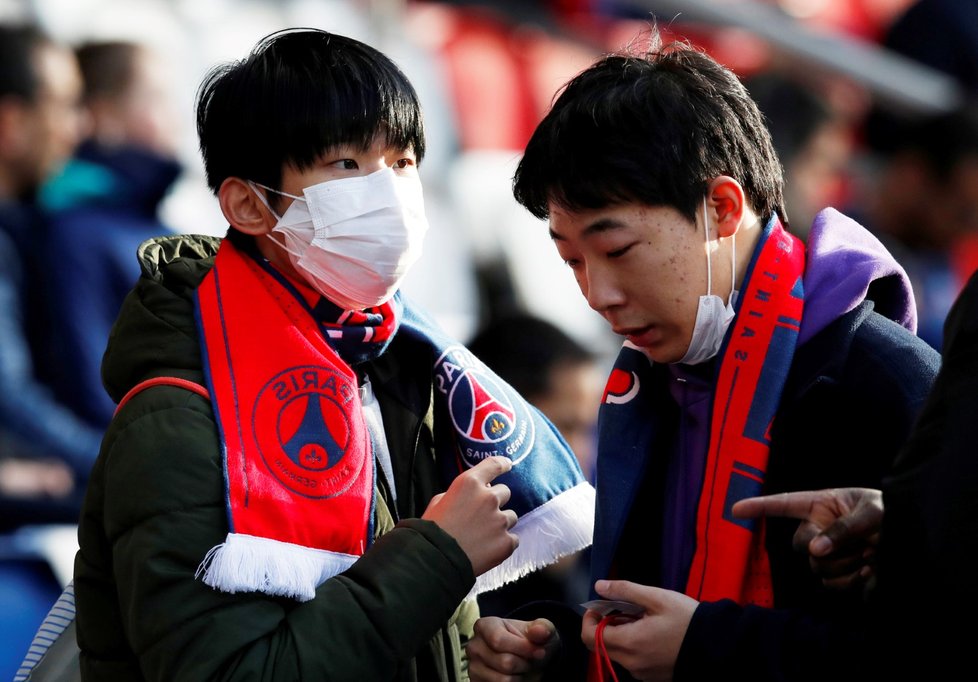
(100, 207)
(562, 379)
(45, 450)
(921, 198)
(813, 142)
(923, 204)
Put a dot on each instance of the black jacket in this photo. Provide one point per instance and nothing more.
(852, 397)
(156, 505)
(928, 558)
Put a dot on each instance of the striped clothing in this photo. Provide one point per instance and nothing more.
(54, 624)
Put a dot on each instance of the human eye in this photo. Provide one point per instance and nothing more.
(619, 252)
(345, 164)
(406, 162)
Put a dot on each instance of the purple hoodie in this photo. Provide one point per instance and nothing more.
(843, 261)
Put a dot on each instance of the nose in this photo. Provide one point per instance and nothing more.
(375, 164)
(601, 290)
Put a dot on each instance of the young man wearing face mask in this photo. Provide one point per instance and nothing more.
(334, 480)
(750, 364)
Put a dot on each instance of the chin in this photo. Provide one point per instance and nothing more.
(661, 355)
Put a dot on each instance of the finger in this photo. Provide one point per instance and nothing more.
(511, 518)
(837, 565)
(504, 636)
(795, 505)
(851, 529)
(626, 591)
(502, 493)
(801, 541)
(846, 582)
(487, 666)
(589, 624)
(540, 631)
(490, 468)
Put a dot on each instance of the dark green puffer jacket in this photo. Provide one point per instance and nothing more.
(156, 504)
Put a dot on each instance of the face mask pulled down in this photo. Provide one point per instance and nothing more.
(354, 239)
(713, 317)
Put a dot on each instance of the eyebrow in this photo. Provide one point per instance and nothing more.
(598, 226)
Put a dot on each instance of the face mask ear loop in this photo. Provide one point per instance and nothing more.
(262, 198)
(282, 244)
(709, 262)
(733, 266)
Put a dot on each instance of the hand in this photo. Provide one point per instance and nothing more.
(839, 529)
(505, 650)
(470, 512)
(35, 478)
(647, 645)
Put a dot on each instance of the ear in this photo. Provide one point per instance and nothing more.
(243, 209)
(12, 125)
(726, 204)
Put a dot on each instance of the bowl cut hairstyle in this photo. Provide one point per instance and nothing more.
(298, 94)
(651, 128)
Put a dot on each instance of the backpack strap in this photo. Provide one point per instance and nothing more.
(163, 381)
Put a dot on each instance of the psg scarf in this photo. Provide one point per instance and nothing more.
(298, 455)
(729, 560)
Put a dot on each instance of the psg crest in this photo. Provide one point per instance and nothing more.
(303, 429)
(489, 418)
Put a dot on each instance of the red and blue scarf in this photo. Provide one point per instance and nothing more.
(298, 457)
(729, 560)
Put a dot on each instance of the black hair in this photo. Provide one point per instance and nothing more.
(108, 68)
(298, 94)
(524, 350)
(19, 45)
(652, 128)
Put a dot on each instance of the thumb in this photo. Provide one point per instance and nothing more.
(623, 590)
(540, 631)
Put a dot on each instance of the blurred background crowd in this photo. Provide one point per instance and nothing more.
(871, 104)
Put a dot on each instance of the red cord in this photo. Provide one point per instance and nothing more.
(600, 661)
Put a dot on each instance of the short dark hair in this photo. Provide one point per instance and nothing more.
(19, 45)
(108, 68)
(652, 128)
(524, 350)
(299, 93)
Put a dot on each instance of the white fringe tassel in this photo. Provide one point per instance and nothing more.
(247, 563)
(561, 526)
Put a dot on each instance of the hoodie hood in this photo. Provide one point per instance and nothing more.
(845, 265)
(126, 176)
(155, 333)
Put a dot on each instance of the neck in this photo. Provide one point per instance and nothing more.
(747, 236)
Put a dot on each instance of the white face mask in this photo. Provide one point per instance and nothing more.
(354, 239)
(712, 316)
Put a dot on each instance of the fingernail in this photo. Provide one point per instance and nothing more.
(820, 546)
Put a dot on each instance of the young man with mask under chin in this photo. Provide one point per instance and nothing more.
(305, 478)
(752, 363)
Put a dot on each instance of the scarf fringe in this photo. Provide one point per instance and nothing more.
(561, 526)
(247, 563)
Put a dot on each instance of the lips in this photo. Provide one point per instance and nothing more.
(639, 336)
